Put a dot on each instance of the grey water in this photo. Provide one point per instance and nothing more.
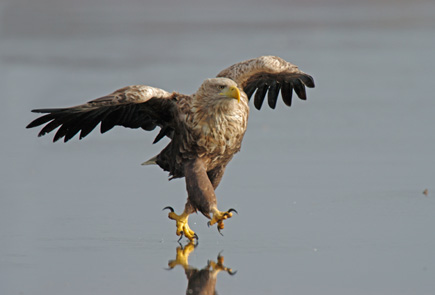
(329, 192)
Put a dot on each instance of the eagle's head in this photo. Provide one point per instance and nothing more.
(218, 91)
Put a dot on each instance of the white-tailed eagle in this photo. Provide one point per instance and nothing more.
(206, 128)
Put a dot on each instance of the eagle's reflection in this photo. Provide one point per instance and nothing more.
(200, 281)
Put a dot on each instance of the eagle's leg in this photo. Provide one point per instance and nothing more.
(215, 177)
(200, 188)
(181, 222)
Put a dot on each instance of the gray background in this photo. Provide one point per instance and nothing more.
(329, 191)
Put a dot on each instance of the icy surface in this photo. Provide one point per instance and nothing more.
(329, 191)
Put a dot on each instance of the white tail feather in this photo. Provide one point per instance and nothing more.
(151, 161)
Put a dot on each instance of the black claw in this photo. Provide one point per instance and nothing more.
(196, 236)
(181, 236)
(219, 230)
(232, 272)
(232, 210)
(170, 208)
(229, 211)
(208, 223)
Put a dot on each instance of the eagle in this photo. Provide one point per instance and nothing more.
(205, 129)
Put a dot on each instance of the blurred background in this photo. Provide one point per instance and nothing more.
(329, 191)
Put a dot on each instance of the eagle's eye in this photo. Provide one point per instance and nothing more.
(221, 87)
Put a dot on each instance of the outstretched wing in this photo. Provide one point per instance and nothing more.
(136, 106)
(269, 74)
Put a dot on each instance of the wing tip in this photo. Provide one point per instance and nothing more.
(45, 111)
(308, 80)
(30, 125)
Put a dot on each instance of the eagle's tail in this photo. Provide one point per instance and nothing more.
(152, 161)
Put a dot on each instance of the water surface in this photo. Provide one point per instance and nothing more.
(329, 192)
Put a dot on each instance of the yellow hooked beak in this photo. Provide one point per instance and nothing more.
(232, 92)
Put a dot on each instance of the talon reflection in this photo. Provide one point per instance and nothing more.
(200, 281)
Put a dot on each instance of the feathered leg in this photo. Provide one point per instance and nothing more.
(216, 175)
(200, 188)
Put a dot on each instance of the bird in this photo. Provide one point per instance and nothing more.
(205, 129)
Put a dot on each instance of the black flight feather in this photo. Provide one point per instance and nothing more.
(249, 89)
(299, 89)
(307, 80)
(259, 96)
(272, 94)
(286, 93)
(40, 120)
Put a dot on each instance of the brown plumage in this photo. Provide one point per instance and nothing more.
(206, 129)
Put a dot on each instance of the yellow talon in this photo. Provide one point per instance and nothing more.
(182, 225)
(219, 217)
